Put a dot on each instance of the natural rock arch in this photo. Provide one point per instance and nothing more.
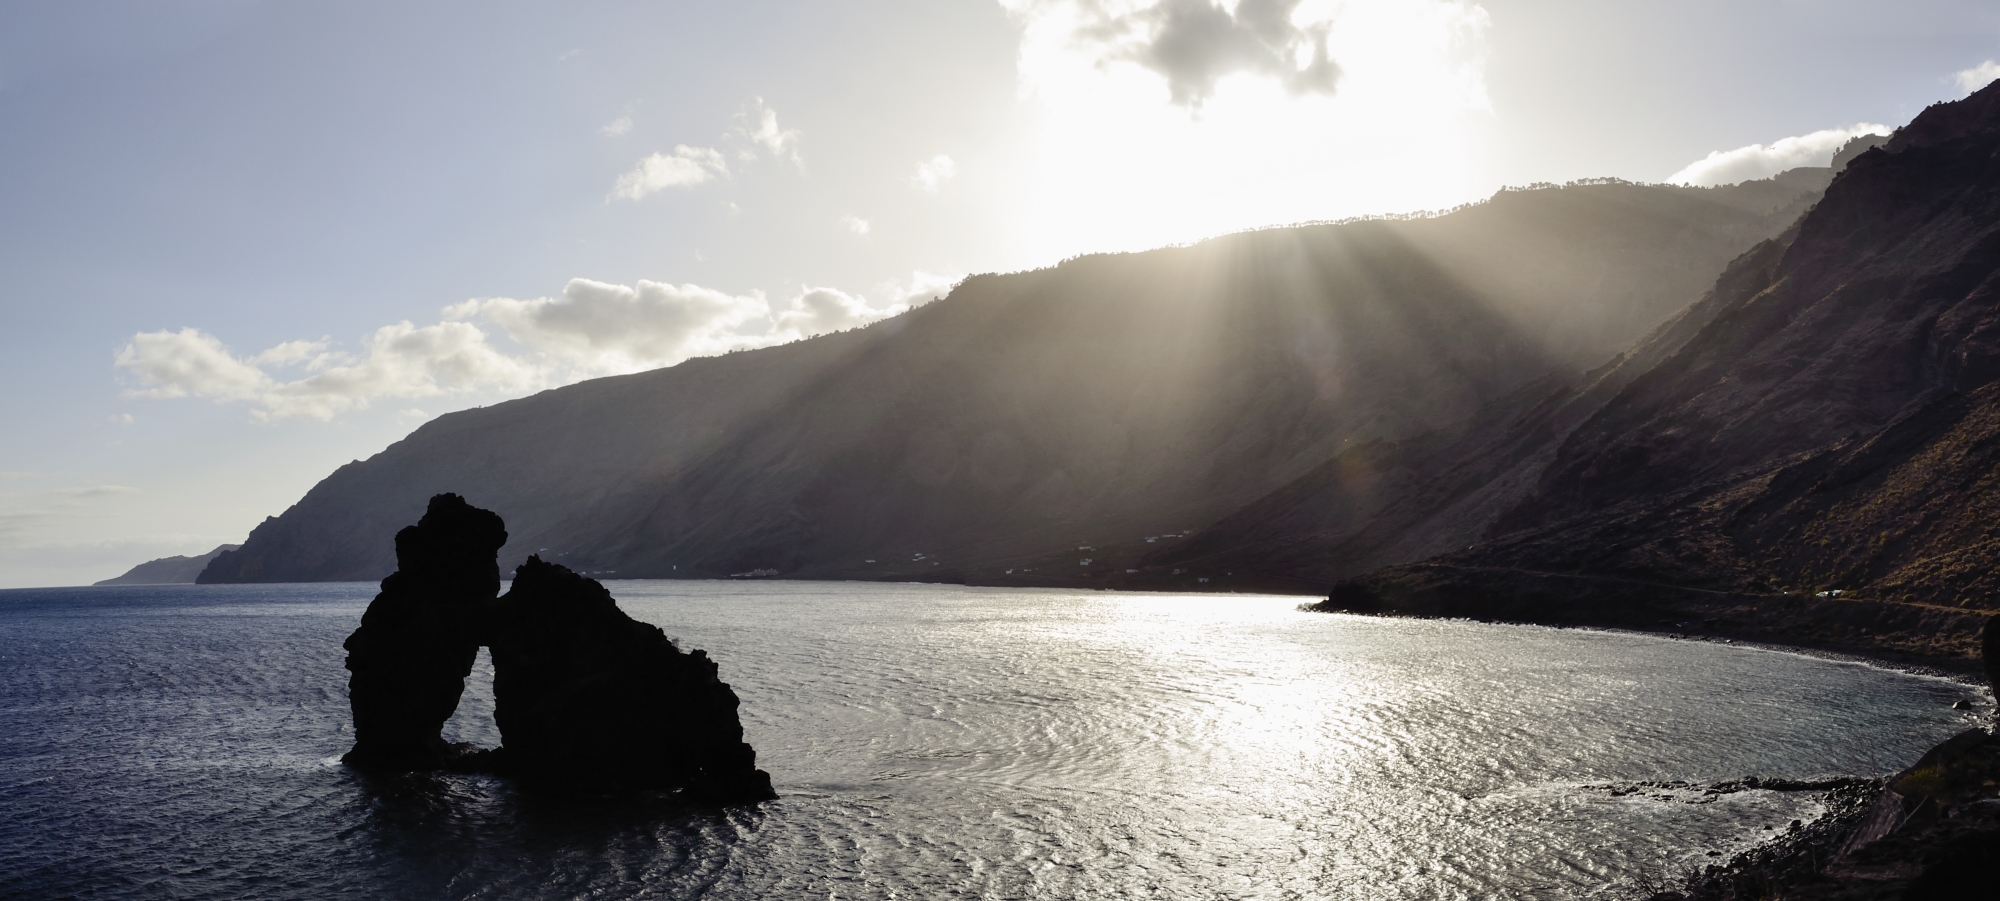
(584, 695)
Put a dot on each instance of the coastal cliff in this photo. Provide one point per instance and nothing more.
(169, 570)
(1808, 455)
(1023, 415)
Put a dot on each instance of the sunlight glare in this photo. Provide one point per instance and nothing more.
(1119, 167)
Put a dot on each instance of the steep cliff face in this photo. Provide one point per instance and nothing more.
(1384, 503)
(1833, 425)
(1107, 397)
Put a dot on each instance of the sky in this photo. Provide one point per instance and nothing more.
(243, 243)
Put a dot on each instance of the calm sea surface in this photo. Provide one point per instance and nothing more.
(932, 742)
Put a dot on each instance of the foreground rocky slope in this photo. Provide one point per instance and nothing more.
(1931, 831)
(1812, 453)
(1108, 397)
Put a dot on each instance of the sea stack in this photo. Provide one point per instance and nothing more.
(585, 696)
(420, 635)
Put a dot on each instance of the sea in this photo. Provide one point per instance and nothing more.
(930, 741)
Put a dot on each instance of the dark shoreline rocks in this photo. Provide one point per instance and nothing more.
(586, 698)
(1911, 637)
(1929, 832)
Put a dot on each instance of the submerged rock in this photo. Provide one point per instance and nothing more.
(585, 696)
(419, 637)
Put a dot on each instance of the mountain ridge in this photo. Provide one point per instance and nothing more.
(176, 570)
(1832, 432)
(1027, 413)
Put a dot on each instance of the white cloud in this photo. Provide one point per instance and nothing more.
(1979, 76)
(592, 329)
(98, 490)
(618, 127)
(1727, 167)
(1194, 44)
(819, 311)
(919, 289)
(400, 360)
(614, 328)
(189, 362)
(119, 419)
(689, 166)
(405, 360)
(295, 353)
(933, 173)
(781, 143)
(856, 225)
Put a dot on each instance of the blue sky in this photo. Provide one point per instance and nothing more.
(242, 243)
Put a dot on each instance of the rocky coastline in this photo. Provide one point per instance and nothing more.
(1931, 831)
(1932, 639)
(1927, 832)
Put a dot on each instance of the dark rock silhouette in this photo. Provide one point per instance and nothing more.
(586, 697)
(419, 637)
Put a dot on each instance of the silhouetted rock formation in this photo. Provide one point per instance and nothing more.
(585, 697)
(419, 637)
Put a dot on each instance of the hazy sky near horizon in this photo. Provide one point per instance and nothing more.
(242, 243)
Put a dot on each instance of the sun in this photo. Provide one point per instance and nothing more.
(1120, 167)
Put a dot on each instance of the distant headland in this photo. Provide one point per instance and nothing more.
(169, 570)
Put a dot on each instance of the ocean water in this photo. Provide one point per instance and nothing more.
(934, 742)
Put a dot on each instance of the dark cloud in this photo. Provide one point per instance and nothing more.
(1196, 43)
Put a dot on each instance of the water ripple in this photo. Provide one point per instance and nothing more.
(930, 742)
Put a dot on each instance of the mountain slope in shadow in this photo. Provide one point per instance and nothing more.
(1389, 502)
(1818, 440)
(1112, 396)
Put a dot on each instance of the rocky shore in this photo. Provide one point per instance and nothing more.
(1910, 636)
(1931, 831)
